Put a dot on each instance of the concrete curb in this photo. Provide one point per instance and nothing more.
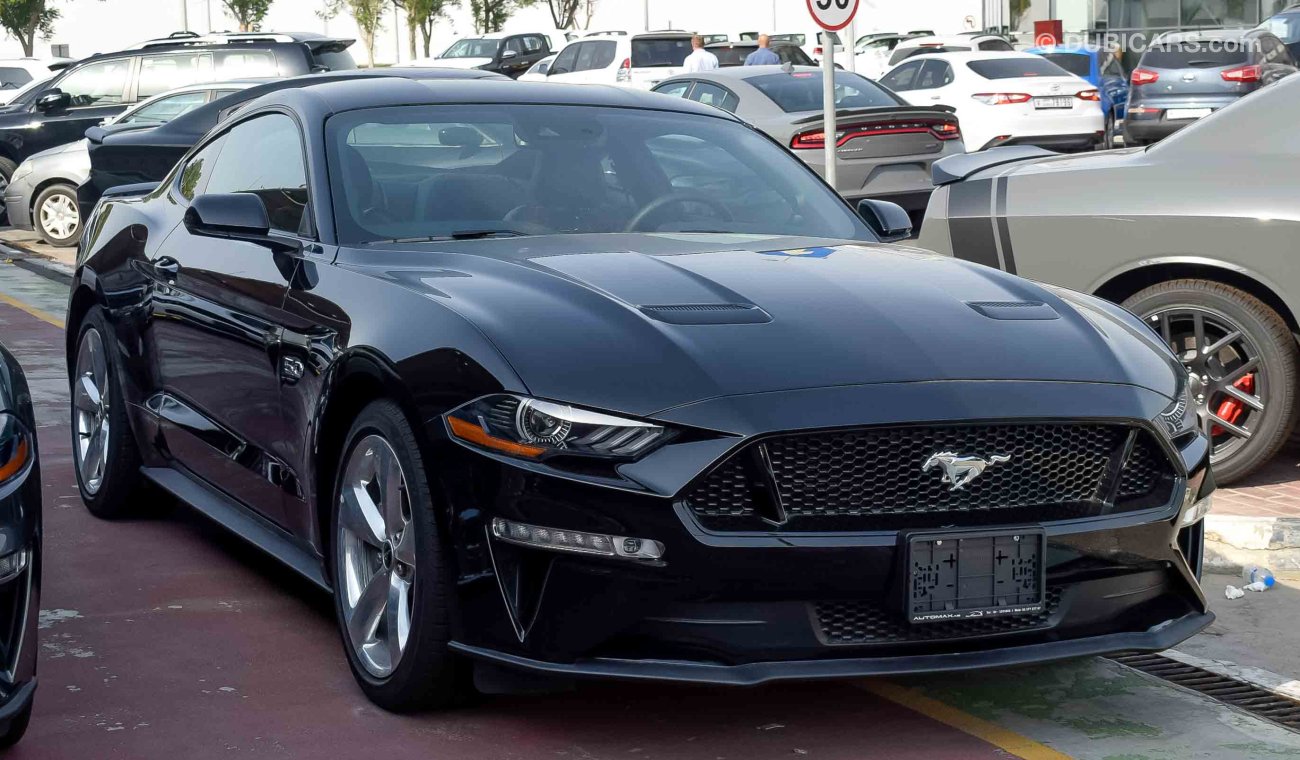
(38, 264)
(1272, 542)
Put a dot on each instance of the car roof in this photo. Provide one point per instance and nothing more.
(748, 72)
(487, 36)
(974, 55)
(383, 92)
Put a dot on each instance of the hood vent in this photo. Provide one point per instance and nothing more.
(708, 314)
(1014, 310)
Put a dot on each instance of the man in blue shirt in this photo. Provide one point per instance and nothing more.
(764, 55)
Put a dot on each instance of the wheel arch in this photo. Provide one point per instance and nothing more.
(45, 185)
(424, 386)
(84, 296)
(1120, 285)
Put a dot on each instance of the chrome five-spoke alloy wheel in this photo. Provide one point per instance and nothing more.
(90, 397)
(1229, 380)
(376, 555)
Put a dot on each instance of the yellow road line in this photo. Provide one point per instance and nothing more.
(1005, 740)
(40, 314)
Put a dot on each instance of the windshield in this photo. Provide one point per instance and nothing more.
(1016, 68)
(467, 171)
(1285, 25)
(472, 48)
(1078, 65)
(802, 91)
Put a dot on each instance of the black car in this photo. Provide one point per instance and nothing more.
(735, 53)
(93, 89)
(509, 54)
(20, 551)
(591, 382)
(126, 154)
(1186, 76)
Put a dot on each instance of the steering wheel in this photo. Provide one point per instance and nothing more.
(667, 200)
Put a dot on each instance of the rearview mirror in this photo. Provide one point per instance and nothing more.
(888, 220)
(241, 216)
(53, 100)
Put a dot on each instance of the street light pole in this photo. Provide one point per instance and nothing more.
(645, 8)
(829, 127)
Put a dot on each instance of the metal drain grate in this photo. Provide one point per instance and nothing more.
(1254, 700)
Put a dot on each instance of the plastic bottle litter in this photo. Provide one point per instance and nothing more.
(1232, 592)
(1254, 575)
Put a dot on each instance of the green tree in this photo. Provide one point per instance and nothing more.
(248, 13)
(421, 15)
(369, 16)
(24, 19)
(490, 15)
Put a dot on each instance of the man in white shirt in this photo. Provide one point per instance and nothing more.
(700, 59)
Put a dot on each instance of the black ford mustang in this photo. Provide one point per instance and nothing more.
(600, 383)
(20, 551)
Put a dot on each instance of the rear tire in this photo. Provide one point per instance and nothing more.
(1268, 336)
(397, 544)
(111, 485)
(55, 215)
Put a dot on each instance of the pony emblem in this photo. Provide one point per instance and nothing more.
(959, 470)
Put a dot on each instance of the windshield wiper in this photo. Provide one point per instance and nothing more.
(457, 235)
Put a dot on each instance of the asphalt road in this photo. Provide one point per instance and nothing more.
(163, 637)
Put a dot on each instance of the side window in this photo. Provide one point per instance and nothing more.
(239, 64)
(604, 55)
(516, 44)
(904, 77)
(934, 74)
(168, 108)
(264, 156)
(197, 171)
(713, 95)
(102, 83)
(567, 61)
(675, 89)
(160, 73)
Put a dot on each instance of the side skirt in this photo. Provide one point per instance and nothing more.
(225, 512)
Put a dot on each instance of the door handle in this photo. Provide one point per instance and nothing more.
(167, 266)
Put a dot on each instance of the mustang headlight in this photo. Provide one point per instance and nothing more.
(532, 429)
(1180, 417)
(15, 448)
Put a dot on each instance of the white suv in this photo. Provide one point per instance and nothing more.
(641, 61)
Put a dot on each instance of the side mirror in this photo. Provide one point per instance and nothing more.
(53, 100)
(508, 54)
(241, 216)
(888, 220)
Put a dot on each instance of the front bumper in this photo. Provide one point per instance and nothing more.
(18, 207)
(744, 608)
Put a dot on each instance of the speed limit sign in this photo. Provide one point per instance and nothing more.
(833, 15)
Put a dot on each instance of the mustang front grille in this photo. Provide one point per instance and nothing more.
(877, 479)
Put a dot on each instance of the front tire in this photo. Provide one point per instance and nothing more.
(104, 453)
(393, 589)
(55, 215)
(1248, 362)
(1108, 133)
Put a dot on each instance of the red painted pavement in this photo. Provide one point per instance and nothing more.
(166, 638)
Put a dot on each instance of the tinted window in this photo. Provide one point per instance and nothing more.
(240, 64)
(802, 91)
(567, 61)
(996, 45)
(335, 60)
(1192, 55)
(101, 83)
(1078, 65)
(12, 79)
(903, 78)
(160, 73)
(902, 54)
(654, 51)
(197, 171)
(712, 95)
(934, 74)
(550, 170)
(596, 55)
(473, 48)
(675, 89)
(1016, 68)
(264, 156)
(793, 39)
(166, 109)
(792, 55)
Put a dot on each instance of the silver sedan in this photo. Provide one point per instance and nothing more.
(885, 147)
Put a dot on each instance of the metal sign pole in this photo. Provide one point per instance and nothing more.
(828, 108)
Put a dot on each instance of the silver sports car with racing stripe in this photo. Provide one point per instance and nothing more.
(1199, 235)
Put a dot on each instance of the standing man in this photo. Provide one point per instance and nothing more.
(700, 59)
(764, 55)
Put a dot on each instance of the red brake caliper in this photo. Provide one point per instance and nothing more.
(1231, 409)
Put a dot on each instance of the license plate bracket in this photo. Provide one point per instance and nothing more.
(1052, 103)
(968, 575)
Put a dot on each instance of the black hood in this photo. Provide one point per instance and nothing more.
(644, 323)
